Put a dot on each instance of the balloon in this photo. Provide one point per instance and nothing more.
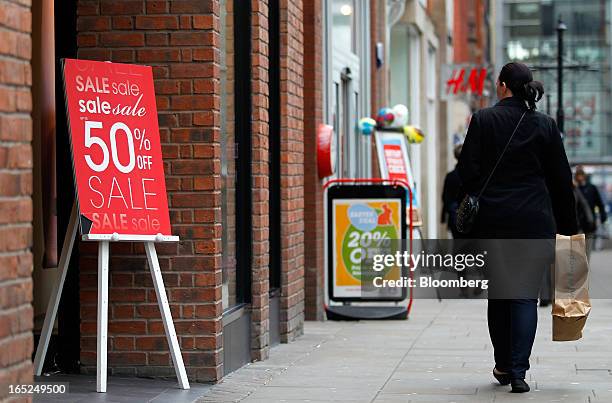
(414, 134)
(384, 117)
(366, 125)
(400, 115)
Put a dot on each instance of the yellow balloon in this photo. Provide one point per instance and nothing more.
(414, 134)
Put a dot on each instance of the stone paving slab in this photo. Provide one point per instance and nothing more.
(350, 394)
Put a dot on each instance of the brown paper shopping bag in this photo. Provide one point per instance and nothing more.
(571, 294)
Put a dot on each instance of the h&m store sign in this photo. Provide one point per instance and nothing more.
(461, 80)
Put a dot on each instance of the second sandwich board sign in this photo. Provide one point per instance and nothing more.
(363, 220)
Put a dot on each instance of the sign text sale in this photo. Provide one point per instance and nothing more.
(116, 148)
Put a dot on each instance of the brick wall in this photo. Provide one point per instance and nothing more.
(15, 194)
(260, 337)
(469, 35)
(292, 169)
(180, 40)
(313, 197)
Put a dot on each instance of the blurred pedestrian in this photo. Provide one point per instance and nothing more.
(584, 213)
(529, 196)
(451, 197)
(593, 198)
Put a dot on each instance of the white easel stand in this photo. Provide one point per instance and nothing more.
(102, 339)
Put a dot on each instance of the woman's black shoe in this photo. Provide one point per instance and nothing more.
(519, 386)
(502, 377)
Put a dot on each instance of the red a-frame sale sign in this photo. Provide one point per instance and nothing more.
(116, 148)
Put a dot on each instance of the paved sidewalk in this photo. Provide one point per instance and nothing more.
(441, 354)
(82, 389)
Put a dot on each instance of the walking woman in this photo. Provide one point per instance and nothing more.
(528, 196)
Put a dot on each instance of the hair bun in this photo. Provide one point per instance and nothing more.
(534, 90)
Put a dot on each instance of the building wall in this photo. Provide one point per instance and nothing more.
(470, 31)
(292, 169)
(438, 10)
(424, 112)
(180, 40)
(15, 194)
(314, 114)
(471, 39)
(379, 79)
(260, 335)
(430, 118)
(292, 175)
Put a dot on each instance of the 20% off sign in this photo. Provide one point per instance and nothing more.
(116, 148)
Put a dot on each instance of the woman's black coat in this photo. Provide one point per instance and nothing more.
(530, 194)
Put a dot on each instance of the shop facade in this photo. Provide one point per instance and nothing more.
(228, 79)
(400, 53)
(241, 88)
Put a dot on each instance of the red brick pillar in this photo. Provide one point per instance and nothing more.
(180, 39)
(292, 168)
(260, 323)
(313, 191)
(15, 194)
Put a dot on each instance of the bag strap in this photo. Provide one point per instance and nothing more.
(500, 156)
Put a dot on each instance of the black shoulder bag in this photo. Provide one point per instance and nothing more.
(468, 209)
